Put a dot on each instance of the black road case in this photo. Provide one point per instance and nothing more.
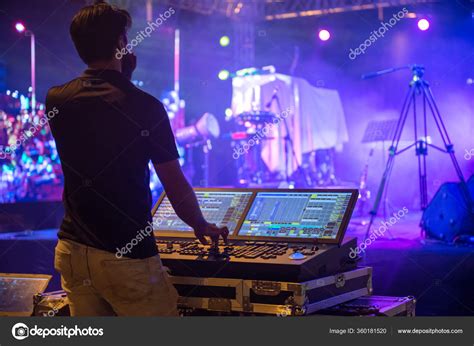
(271, 297)
(374, 306)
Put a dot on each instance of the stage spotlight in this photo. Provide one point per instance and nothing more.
(20, 27)
(228, 114)
(223, 74)
(423, 24)
(324, 35)
(224, 41)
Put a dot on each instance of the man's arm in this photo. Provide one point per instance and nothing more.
(184, 202)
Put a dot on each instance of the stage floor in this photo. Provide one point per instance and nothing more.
(439, 275)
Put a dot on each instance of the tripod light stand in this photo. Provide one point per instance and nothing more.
(418, 88)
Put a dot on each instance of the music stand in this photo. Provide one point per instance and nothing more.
(379, 130)
(376, 131)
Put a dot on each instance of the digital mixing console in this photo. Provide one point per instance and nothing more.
(291, 235)
(293, 262)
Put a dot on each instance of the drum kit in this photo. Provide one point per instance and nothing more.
(251, 130)
(250, 167)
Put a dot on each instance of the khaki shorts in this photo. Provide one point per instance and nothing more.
(99, 284)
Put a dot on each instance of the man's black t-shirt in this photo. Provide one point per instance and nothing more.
(106, 131)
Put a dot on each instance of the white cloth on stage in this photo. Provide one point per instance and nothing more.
(315, 116)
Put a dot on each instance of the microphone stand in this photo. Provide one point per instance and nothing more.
(288, 140)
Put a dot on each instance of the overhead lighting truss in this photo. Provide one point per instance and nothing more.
(283, 9)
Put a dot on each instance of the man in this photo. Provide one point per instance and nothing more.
(106, 131)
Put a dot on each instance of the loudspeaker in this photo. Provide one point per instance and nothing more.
(447, 216)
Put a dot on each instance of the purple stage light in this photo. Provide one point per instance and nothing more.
(423, 24)
(324, 35)
(20, 27)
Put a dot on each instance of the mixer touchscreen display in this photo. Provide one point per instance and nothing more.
(224, 208)
(296, 214)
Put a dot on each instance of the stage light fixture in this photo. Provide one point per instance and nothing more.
(324, 35)
(423, 24)
(224, 41)
(223, 74)
(228, 113)
(205, 128)
(20, 27)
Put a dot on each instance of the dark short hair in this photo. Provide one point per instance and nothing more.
(96, 29)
